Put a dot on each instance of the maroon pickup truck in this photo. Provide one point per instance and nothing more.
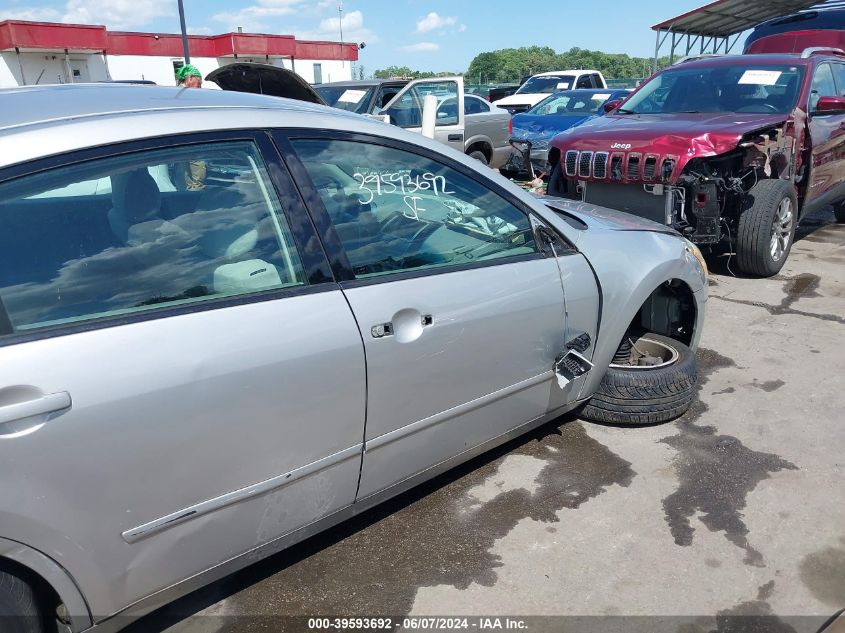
(731, 148)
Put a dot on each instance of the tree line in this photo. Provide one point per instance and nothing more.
(510, 65)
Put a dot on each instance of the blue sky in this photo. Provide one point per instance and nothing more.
(437, 35)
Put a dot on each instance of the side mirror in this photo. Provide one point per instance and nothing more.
(830, 104)
(610, 106)
(380, 115)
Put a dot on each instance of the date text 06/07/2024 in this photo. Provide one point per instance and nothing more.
(421, 623)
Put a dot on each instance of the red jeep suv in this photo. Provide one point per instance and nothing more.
(734, 148)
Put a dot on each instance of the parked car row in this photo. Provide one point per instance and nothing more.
(533, 130)
(542, 85)
(485, 128)
(194, 378)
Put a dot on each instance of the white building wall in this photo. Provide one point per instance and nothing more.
(32, 68)
(157, 69)
(51, 67)
(332, 69)
(10, 74)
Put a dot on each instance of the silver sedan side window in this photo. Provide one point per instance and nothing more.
(164, 227)
(396, 211)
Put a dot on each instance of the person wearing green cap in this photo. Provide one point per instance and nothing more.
(188, 76)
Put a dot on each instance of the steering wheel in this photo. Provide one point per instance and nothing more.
(419, 235)
(754, 107)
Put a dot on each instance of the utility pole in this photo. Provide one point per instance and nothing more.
(340, 24)
(185, 50)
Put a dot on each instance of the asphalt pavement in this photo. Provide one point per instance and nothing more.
(731, 518)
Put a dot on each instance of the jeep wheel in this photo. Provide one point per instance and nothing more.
(658, 391)
(18, 606)
(557, 185)
(766, 227)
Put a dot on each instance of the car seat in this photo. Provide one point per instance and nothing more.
(691, 94)
(786, 99)
(135, 217)
(734, 97)
(236, 237)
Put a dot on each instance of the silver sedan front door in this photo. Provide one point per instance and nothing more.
(462, 316)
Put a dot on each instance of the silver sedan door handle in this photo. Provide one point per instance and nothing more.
(51, 403)
(403, 323)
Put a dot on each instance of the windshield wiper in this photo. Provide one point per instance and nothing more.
(624, 111)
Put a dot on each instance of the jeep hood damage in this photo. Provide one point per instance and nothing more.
(686, 136)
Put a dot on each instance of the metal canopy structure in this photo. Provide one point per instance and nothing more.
(716, 27)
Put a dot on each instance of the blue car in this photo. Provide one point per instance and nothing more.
(550, 117)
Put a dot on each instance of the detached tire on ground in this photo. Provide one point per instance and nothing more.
(18, 606)
(766, 227)
(646, 395)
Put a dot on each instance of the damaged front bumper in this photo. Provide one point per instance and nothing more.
(529, 157)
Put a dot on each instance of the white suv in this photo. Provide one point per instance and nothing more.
(540, 86)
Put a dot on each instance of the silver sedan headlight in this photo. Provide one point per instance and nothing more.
(695, 253)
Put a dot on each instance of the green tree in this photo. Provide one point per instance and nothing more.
(513, 64)
(393, 72)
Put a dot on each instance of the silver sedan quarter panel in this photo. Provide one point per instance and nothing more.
(169, 416)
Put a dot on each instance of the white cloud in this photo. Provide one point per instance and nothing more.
(422, 47)
(199, 30)
(36, 15)
(434, 22)
(354, 30)
(462, 28)
(255, 17)
(116, 14)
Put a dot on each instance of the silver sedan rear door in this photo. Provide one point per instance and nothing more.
(181, 381)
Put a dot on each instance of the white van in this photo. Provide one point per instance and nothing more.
(540, 86)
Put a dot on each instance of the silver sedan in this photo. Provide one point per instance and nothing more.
(229, 321)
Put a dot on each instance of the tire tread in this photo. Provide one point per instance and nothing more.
(755, 224)
(646, 396)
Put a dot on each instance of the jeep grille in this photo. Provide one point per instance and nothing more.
(650, 168)
(633, 170)
(618, 166)
(571, 163)
(585, 160)
(600, 165)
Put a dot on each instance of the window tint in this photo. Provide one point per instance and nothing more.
(397, 211)
(839, 70)
(584, 82)
(473, 105)
(346, 98)
(735, 88)
(581, 104)
(407, 112)
(386, 94)
(823, 85)
(547, 84)
(68, 257)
